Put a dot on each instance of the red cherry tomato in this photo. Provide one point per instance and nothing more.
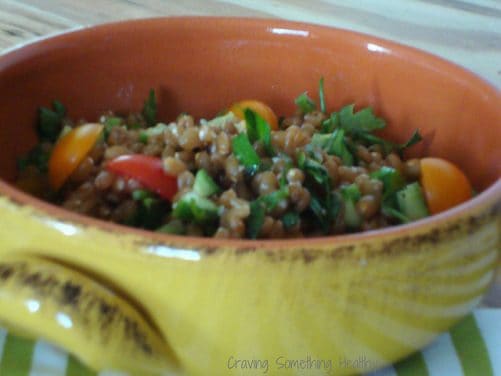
(444, 184)
(146, 170)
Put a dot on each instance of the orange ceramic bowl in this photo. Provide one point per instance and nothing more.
(198, 305)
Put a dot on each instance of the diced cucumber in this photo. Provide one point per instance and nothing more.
(175, 227)
(411, 202)
(194, 207)
(204, 185)
(392, 180)
(156, 130)
(351, 194)
(222, 120)
(109, 123)
(351, 217)
(141, 194)
(320, 139)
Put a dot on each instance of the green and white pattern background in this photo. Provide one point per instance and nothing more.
(471, 348)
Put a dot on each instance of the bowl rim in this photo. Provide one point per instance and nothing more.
(489, 197)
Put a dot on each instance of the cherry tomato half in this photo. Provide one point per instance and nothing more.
(444, 184)
(146, 170)
(69, 152)
(257, 106)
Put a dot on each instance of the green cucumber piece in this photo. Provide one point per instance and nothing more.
(174, 227)
(351, 194)
(204, 185)
(412, 203)
(193, 207)
(352, 219)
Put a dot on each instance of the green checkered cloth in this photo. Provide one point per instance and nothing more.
(471, 348)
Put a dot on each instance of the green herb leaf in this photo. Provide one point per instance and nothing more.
(305, 103)
(282, 182)
(264, 132)
(22, 163)
(336, 145)
(245, 153)
(59, 108)
(392, 180)
(150, 211)
(150, 109)
(414, 139)
(313, 168)
(318, 208)
(259, 208)
(321, 208)
(256, 219)
(251, 125)
(38, 156)
(325, 209)
(143, 137)
(329, 125)
(371, 139)
(321, 95)
(389, 146)
(361, 121)
(333, 205)
(391, 212)
(50, 121)
(258, 129)
(271, 200)
(290, 219)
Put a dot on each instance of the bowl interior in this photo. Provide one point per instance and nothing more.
(201, 65)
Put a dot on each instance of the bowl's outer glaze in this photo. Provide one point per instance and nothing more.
(376, 296)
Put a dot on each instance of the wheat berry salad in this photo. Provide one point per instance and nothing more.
(243, 174)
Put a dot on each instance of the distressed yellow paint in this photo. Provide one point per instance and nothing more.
(329, 300)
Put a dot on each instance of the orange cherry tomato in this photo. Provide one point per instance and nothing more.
(444, 184)
(70, 151)
(259, 107)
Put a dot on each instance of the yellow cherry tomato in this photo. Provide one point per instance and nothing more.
(444, 184)
(70, 151)
(259, 107)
